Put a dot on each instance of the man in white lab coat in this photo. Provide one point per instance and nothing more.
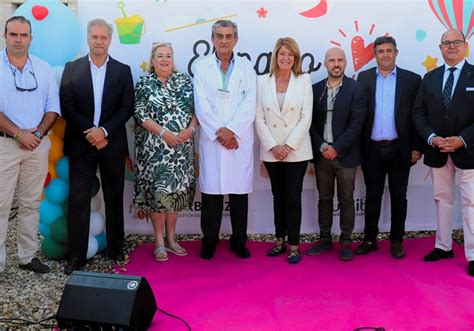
(225, 100)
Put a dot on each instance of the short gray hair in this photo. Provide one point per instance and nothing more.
(99, 22)
(154, 48)
(224, 24)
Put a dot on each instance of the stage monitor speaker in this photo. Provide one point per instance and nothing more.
(91, 300)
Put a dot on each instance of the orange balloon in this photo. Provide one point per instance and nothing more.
(52, 170)
(56, 151)
(59, 127)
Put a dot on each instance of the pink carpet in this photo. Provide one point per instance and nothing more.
(320, 293)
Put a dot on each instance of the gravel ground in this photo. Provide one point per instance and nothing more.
(29, 296)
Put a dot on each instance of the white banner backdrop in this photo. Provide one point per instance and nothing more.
(316, 26)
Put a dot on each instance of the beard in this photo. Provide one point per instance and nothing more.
(333, 74)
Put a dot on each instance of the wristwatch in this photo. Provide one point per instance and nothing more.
(38, 134)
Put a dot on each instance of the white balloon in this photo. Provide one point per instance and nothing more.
(96, 202)
(92, 247)
(97, 223)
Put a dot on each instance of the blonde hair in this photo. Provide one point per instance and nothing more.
(154, 47)
(292, 46)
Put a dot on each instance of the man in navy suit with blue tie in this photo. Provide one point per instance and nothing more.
(444, 116)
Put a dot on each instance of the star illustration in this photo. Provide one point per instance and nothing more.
(262, 12)
(430, 63)
(144, 66)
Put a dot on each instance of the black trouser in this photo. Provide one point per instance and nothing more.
(211, 218)
(82, 172)
(327, 172)
(286, 179)
(383, 161)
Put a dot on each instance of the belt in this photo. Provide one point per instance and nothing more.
(385, 142)
(3, 134)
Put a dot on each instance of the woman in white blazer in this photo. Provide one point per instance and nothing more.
(284, 111)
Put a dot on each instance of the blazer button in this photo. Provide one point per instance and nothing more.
(292, 108)
(268, 109)
(285, 125)
(274, 125)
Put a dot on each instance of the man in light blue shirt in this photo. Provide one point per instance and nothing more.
(29, 106)
(390, 143)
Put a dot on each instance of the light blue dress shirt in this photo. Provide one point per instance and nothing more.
(226, 76)
(26, 109)
(384, 118)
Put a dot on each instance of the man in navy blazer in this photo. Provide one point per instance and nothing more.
(444, 116)
(390, 143)
(97, 100)
(339, 109)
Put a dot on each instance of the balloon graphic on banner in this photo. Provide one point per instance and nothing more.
(454, 14)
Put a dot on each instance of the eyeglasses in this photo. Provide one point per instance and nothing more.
(456, 43)
(23, 89)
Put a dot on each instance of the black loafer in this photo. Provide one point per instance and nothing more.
(438, 254)
(207, 252)
(241, 251)
(36, 266)
(74, 263)
(396, 249)
(366, 247)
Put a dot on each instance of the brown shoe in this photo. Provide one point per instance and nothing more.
(396, 249)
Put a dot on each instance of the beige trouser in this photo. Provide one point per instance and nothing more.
(27, 172)
(444, 186)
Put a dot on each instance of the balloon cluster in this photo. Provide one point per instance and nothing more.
(53, 209)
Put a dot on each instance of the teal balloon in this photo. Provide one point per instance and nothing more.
(57, 191)
(102, 241)
(59, 231)
(62, 168)
(95, 186)
(53, 250)
(49, 212)
(45, 230)
(55, 28)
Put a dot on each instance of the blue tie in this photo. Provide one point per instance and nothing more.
(448, 88)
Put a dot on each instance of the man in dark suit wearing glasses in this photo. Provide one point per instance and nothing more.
(29, 106)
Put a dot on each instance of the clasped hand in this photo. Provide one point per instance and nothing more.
(227, 138)
(448, 144)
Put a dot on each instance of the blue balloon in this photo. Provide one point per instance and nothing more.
(62, 168)
(57, 191)
(102, 240)
(55, 29)
(49, 212)
(45, 230)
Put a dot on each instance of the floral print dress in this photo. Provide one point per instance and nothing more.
(164, 176)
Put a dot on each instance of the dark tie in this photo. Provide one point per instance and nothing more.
(448, 88)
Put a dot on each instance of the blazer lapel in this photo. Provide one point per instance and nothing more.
(86, 79)
(340, 94)
(398, 90)
(464, 77)
(438, 80)
(109, 72)
(273, 93)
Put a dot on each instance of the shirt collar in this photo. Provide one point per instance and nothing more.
(457, 66)
(232, 59)
(7, 61)
(334, 87)
(392, 73)
(92, 63)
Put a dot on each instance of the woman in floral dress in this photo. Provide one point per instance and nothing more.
(164, 151)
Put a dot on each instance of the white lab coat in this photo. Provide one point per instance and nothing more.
(223, 171)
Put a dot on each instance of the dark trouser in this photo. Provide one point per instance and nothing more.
(287, 183)
(383, 161)
(326, 173)
(211, 218)
(82, 172)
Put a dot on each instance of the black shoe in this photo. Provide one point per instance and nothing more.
(438, 254)
(366, 247)
(241, 251)
(116, 255)
(277, 249)
(74, 263)
(396, 249)
(207, 252)
(36, 266)
(470, 268)
(346, 254)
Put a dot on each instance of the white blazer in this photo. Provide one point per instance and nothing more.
(224, 171)
(288, 126)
